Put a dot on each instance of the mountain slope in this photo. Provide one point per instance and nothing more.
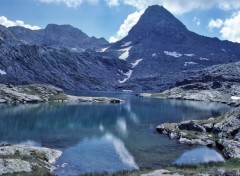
(167, 51)
(22, 63)
(219, 83)
(60, 36)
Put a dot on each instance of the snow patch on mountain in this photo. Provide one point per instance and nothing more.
(128, 74)
(203, 58)
(189, 63)
(134, 64)
(74, 49)
(125, 55)
(126, 44)
(154, 55)
(173, 54)
(235, 98)
(103, 49)
(2, 72)
(189, 55)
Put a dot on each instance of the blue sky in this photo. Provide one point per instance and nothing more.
(113, 18)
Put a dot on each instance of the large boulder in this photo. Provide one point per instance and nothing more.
(191, 125)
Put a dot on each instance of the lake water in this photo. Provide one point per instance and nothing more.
(108, 137)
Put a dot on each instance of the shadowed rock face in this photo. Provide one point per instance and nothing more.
(22, 63)
(60, 36)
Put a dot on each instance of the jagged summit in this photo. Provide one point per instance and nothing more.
(157, 20)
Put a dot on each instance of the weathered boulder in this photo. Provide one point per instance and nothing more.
(230, 148)
(191, 125)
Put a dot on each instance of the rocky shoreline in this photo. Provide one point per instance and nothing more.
(38, 93)
(222, 132)
(27, 160)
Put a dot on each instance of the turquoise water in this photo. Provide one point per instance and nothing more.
(108, 137)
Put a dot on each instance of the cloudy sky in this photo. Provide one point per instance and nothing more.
(112, 19)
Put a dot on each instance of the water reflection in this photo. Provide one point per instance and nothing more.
(99, 137)
(199, 155)
(110, 155)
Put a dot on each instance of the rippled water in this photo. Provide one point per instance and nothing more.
(107, 137)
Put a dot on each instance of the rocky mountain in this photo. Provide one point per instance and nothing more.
(158, 51)
(22, 63)
(59, 36)
(162, 50)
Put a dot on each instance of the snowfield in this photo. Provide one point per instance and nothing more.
(189, 55)
(2, 72)
(189, 63)
(134, 64)
(103, 49)
(173, 54)
(125, 55)
(203, 58)
(126, 44)
(128, 74)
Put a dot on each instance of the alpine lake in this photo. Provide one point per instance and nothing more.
(96, 137)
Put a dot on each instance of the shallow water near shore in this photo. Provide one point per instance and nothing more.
(108, 137)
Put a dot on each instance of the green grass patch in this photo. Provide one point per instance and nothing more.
(159, 95)
(231, 165)
(58, 97)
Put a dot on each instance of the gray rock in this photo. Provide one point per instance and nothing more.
(50, 155)
(230, 148)
(11, 166)
(2, 100)
(208, 127)
(191, 125)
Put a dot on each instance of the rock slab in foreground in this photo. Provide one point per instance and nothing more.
(28, 159)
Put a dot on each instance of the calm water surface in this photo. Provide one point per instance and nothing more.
(108, 137)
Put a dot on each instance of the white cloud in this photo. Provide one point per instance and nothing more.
(8, 23)
(112, 2)
(230, 29)
(129, 22)
(215, 24)
(183, 6)
(70, 3)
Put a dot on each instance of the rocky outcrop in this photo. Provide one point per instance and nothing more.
(27, 159)
(222, 132)
(37, 93)
(219, 83)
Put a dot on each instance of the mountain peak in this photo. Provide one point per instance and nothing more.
(157, 20)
